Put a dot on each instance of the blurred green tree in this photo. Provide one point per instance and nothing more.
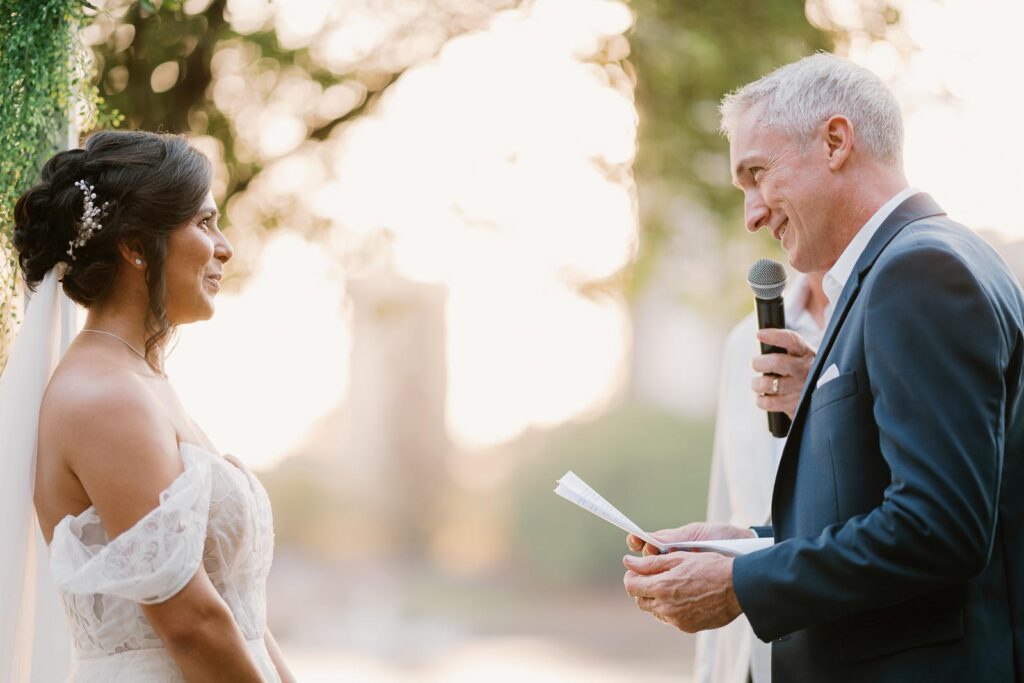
(687, 56)
(211, 68)
(201, 66)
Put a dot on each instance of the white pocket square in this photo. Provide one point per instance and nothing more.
(831, 372)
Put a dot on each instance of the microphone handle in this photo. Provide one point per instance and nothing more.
(771, 313)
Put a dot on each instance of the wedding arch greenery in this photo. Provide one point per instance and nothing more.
(45, 80)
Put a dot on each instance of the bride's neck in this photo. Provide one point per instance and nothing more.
(126, 320)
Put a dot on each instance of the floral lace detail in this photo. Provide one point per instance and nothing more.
(216, 512)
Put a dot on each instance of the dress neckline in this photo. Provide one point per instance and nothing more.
(228, 458)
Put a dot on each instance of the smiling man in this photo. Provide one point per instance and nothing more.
(898, 518)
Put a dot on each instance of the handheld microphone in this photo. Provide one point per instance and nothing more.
(767, 279)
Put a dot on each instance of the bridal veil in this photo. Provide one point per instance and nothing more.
(35, 643)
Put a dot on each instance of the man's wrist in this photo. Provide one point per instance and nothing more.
(731, 601)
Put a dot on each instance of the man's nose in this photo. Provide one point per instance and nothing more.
(755, 212)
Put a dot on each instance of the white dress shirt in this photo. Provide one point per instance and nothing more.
(835, 279)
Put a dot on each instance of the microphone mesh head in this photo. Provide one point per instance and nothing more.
(767, 278)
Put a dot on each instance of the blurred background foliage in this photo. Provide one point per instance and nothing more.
(184, 66)
(687, 55)
(686, 58)
(652, 464)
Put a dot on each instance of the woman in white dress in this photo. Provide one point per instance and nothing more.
(159, 547)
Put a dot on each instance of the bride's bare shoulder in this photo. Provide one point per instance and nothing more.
(113, 434)
(89, 402)
(85, 388)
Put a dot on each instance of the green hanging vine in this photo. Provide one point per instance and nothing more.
(45, 81)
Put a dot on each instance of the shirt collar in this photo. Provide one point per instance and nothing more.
(835, 279)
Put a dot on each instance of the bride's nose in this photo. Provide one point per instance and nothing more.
(222, 249)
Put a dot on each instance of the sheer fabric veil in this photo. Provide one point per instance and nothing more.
(35, 644)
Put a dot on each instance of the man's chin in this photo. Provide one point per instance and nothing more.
(796, 262)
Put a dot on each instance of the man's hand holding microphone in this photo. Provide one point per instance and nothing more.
(783, 374)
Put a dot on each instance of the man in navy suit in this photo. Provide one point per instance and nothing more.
(898, 511)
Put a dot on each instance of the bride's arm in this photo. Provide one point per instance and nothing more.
(202, 635)
(278, 658)
(119, 444)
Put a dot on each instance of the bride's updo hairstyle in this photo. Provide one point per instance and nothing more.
(152, 184)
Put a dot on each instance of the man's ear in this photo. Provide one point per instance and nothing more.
(132, 253)
(838, 140)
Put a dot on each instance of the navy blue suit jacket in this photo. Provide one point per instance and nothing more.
(898, 508)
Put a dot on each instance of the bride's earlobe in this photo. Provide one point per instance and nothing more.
(130, 252)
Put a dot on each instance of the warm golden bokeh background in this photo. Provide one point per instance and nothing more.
(479, 243)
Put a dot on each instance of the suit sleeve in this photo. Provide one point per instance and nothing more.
(935, 356)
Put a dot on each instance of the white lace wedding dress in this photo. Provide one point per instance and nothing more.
(216, 512)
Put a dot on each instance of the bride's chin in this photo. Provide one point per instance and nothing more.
(206, 313)
(205, 305)
(203, 311)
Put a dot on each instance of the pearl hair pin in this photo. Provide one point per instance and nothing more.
(90, 220)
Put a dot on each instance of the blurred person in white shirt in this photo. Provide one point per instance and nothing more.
(745, 457)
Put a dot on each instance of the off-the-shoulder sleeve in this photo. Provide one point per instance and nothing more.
(154, 559)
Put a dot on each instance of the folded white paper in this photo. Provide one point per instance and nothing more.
(575, 490)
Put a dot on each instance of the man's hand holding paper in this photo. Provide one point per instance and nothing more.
(696, 531)
(689, 590)
(655, 579)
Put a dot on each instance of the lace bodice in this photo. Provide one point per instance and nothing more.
(215, 512)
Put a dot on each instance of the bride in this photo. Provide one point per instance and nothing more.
(159, 547)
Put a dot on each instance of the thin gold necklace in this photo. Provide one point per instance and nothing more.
(123, 341)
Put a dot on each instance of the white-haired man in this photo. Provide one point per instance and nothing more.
(897, 514)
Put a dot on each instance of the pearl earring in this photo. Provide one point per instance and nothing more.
(138, 262)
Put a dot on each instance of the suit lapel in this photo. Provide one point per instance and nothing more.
(915, 207)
